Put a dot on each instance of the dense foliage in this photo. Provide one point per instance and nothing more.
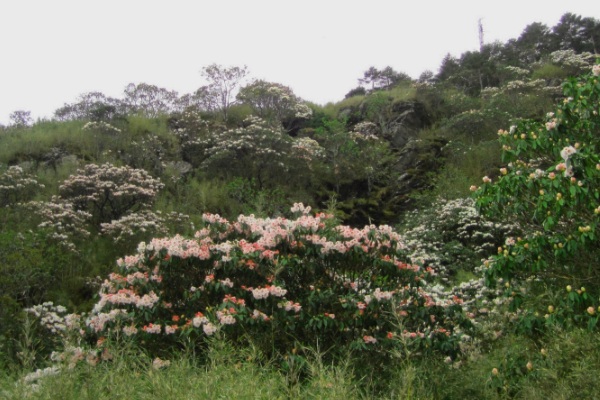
(550, 184)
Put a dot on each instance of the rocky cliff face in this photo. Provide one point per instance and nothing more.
(397, 121)
(416, 160)
(406, 119)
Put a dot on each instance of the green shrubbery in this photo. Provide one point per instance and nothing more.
(550, 188)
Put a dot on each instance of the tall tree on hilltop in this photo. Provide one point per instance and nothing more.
(20, 118)
(576, 33)
(448, 68)
(382, 79)
(223, 83)
(93, 106)
(534, 42)
(149, 100)
(273, 102)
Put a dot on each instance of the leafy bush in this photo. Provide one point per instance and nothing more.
(550, 187)
(475, 125)
(31, 267)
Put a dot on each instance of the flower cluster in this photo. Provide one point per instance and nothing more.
(307, 148)
(56, 320)
(144, 222)
(568, 58)
(368, 129)
(102, 127)
(520, 86)
(34, 379)
(250, 151)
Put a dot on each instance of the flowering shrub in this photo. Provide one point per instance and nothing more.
(451, 235)
(273, 101)
(307, 149)
(279, 281)
(109, 192)
(256, 151)
(524, 97)
(192, 132)
(16, 186)
(56, 320)
(65, 224)
(550, 186)
(577, 63)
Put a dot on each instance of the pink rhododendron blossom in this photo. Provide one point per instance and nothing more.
(209, 329)
(170, 329)
(152, 328)
(369, 339)
(551, 125)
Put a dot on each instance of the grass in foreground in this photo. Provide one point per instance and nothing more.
(562, 365)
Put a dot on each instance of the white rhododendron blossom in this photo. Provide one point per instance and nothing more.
(567, 152)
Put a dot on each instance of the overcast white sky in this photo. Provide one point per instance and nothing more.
(54, 50)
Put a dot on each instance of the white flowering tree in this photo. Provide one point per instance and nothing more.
(142, 225)
(256, 151)
(65, 226)
(273, 102)
(451, 235)
(193, 134)
(109, 192)
(16, 185)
